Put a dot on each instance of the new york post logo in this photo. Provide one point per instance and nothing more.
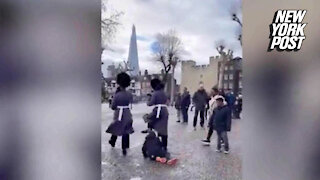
(287, 30)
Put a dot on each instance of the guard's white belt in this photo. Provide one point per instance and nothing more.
(121, 111)
(159, 106)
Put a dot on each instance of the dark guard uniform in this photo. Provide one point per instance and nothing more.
(159, 115)
(122, 122)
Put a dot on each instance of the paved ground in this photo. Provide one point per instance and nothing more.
(195, 160)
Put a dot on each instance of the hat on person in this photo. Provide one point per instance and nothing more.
(123, 79)
(156, 84)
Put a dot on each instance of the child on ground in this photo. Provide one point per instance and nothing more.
(152, 148)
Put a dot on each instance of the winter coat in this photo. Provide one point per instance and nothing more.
(185, 100)
(124, 126)
(159, 124)
(152, 147)
(221, 119)
(231, 99)
(200, 99)
(213, 104)
(177, 103)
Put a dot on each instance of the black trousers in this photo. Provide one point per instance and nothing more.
(195, 119)
(210, 132)
(184, 111)
(125, 140)
(222, 135)
(164, 141)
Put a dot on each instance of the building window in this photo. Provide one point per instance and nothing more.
(145, 78)
(240, 74)
(230, 76)
(240, 84)
(133, 84)
(225, 77)
(113, 84)
(226, 67)
(230, 86)
(231, 67)
(225, 86)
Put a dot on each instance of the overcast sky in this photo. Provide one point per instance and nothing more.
(199, 23)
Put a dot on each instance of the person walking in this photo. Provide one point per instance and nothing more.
(122, 123)
(159, 115)
(212, 105)
(185, 103)
(231, 99)
(199, 99)
(222, 124)
(177, 105)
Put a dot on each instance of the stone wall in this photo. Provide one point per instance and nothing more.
(192, 74)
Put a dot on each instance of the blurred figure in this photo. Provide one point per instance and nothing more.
(238, 107)
(110, 100)
(222, 93)
(199, 99)
(177, 105)
(185, 103)
(231, 99)
(122, 124)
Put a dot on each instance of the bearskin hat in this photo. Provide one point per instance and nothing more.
(123, 79)
(156, 84)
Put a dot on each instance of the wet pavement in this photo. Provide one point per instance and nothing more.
(196, 161)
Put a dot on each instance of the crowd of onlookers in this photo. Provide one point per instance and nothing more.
(217, 107)
(200, 101)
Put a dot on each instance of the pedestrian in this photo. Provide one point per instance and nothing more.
(238, 106)
(122, 122)
(231, 99)
(177, 105)
(207, 108)
(110, 101)
(221, 122)
(212, 105)
(200, 101)
(222, 93)
(152, 148)
(185, 103)
(158, 118)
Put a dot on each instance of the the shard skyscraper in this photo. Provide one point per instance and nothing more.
(133, 61)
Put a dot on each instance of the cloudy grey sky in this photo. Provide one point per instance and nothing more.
(199, 23)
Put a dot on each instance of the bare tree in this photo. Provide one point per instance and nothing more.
(110, 21)
(168, 49)
(237, 19)
(226, 56)
(235, 10)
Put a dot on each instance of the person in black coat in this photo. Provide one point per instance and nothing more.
(221, 122)
(200, 100)
(152, 148)
(122, 122)
(177, 105)
(185, 103)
